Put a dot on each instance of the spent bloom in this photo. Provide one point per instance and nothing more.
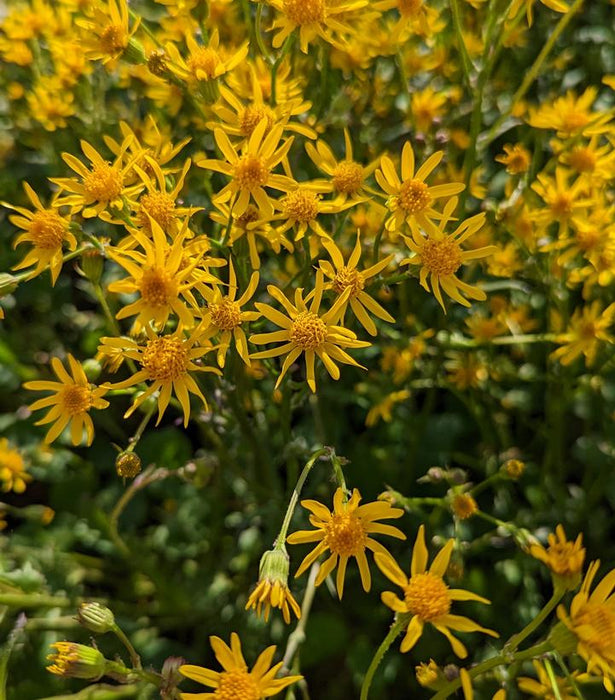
(427, 598)
(344, 533)
(72, 398)
(272, 588)
(235, 681)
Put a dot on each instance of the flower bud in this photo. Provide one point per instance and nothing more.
(96, 617)
(8, 284)
(128, 464)
(513, 468)
(134, 53)
(92, 264)
(72, 660)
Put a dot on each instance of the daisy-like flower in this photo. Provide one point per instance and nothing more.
(224, 316)
(313, 18)
(591, 620)
(99, 187)
(440, 255)
(161, 277)
(108, 34)
(427, 598)
(347, 176)
(542, 686)
(345, 275)
(205, 64)
(570, 115)
(516, 158)
(272, 588)
(304, 330)
(235, 681)
(166, 364)
(251, 171)
(411, 198)
(13, 474)
(562, 199)
(344, 533)
(46, 230)
(73, 397)
(565, 559)
(587, 330)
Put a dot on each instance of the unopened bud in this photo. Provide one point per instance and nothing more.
(8, 284)
(96, 617)
(92, 264)
(134, 53)
(128, 464)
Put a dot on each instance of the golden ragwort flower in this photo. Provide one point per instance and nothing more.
(344, 533)
(235, 681)
(13, 473)
(427, 597)
(565, 559)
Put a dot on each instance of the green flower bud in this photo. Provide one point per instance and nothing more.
(96, 617)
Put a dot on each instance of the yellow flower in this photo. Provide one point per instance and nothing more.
(50, 104)
(587, 330)
(46, 230)
(410, 199)
(251, 171)
(345, 533)
(543, 687)
(161, 277)
(13, 473)
(465, 370)
(235, 681)
(564, 559)
(347, 176)
(272, 588)
(205, 64)
(313, 18)
(463, 506)
(71, 660)
(563, 200)
(304, 330)
(384, 409)
(224, 316)
(99, 187)
(440, 255)
(73, 397)
(592, 620)
(516, 158)
(556, 5)
(346, 276)
(427, 597)
(107, 35)
(427, 106)
(571, 115)
(166, 361)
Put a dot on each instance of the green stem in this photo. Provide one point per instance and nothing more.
(500, 660)
(533, 72)
(465, 56)
(135, 659)
(281, 538)
(134, 440)
(513, 643)
(276, 65)
(336, 462)
(259, 34)
(101, 691)
(297, 637)
(404, 79)
(553, 680)
(33, 600)
(397, 627)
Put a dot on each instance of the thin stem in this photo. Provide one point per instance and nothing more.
(259, 34)
(514, 642)
(336, 462)
(397, 627)
(134, 440)
(533, 72)
(33, 600)
(276, 65)
(297, 637)
(281, 538)
(500, 660)
(404, 78)
(553, 680)
(465, 56)
(135, 659)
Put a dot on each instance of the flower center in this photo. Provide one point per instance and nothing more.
(595, 625)
(205, 60)
(301, 205)
(226, 314)
(104, 183)
(165, 359)
(464, 506)
(308, 331)
(348, 177)
(157, 287)
(304, 11)
(76, 399)
(588, 238)
(587, 330)
(348, 277)
(441, 257)
(113, 39)
(426, 595)
(413, 196)
(249, 216)
(251, 116)
(236, 685)
(561, 205)
(47, 229)
(160, 206)
(571, 120)
(345, 534)
(251, 172)
(408, 8)
(582, 160)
